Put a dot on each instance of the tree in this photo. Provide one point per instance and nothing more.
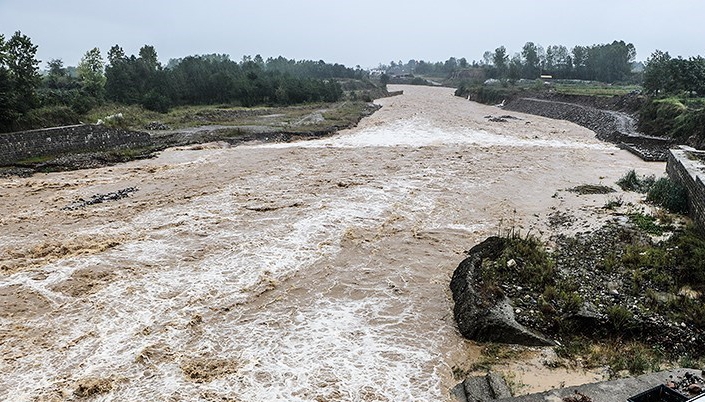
(116, 55)
(57, 76)
(532, 67)
(7, 110)
(148, 56)
(90, 73)
(23, 68)
(450, 65)
(500, 61)
(558, 61)
(515, 67)
(580, 57)
(487, 58)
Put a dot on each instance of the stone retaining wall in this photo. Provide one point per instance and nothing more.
(686, 166)
(604, 123)
(608, 125)
(23, 145)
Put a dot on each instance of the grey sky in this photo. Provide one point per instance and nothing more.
(364, 32)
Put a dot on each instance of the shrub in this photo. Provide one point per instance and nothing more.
(49, 116)
(621, 319)
(669, 194)
(632, 182)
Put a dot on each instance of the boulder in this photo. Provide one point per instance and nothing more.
(485, 388)
(483, 315)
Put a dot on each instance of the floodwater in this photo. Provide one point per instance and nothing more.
(309, 271)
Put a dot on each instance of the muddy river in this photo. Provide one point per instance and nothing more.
(309, 271)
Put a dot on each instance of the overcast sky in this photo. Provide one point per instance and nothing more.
(364, 32)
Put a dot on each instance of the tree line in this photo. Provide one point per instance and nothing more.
(62, 94)
(668, 76)
(213, 79)
(603, 62)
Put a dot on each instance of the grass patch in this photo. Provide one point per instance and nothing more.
(595, 89)
(523, 260)
(634, 357)
(34, 160)
(592, 189)
(647, 223)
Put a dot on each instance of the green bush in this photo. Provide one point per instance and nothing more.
(621, 319)
(632, 182)
(49, 116)
(669, 194)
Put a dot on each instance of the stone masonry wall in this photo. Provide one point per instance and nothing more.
(22, 145)
(603, 123)
(685, 166)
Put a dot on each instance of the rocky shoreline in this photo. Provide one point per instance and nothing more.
(616, 126)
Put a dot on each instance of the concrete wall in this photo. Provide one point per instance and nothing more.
(22, 145)
(685, 166)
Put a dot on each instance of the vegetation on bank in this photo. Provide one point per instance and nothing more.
(496, 92)
(676, 106)
(610, 63)
(614, 290)
(67, 95)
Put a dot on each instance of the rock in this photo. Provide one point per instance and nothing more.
(588, 319)
(484, 315)
(155, 125)
(695, 389)
(615, 390)
(511, 263)
(489, 387)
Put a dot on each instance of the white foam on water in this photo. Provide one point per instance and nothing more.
(420, 132)
(340, 350)
(352, 345)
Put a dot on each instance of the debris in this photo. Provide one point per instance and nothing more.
(100, 198)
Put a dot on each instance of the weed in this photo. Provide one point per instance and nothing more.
(647, 223)
(668, 194)
(632, 182)
(691, 362)
(493, 353)
(571, 302)
(460, 373)
(634, 357)
(621, 319)
(574, 347)
(613, 202)
(610, 262)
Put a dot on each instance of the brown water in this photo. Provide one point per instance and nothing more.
(311, 271)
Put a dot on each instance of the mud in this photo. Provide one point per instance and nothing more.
(318, 269)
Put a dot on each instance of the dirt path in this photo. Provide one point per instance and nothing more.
(307, 271)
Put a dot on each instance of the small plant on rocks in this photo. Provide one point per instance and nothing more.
(632, 182)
